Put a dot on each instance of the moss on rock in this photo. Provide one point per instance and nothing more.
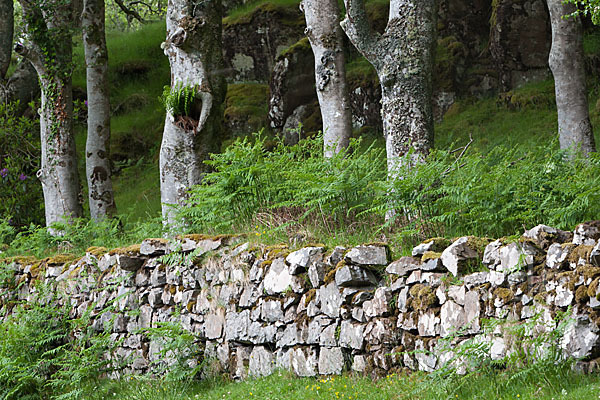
(246, 107)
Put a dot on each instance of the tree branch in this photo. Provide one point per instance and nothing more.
(131, 13)
(358, 29)
(30, 55)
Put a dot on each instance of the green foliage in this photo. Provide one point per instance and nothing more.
(497, 194)
(587, 7)
(20, 190)
(80, 234)
(45, 354)
(180, 352)
(178, 100)
(294, 186)
(286, 185)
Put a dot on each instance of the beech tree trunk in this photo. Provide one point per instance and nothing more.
(326, 39)
(403, 58)
(6, 35)
(567, 64)
(194, 48)
(50, 52)
(97, 161)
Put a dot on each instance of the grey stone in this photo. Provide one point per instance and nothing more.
(517, 277)
(359, 314)
(360, 297)
(587, 233)
(379, 306)
(331, 300)
(331, 361)
(544, 235)
(564, 296)
(261, 362)
(336, 256)
(403, 266)
(556, 255)
(402, 298)
(249, 296)
(496, 278)
(475, 279)
(213, 326)
(367, 255)
(440, 294)
(328, 335)
(237, 325)
(352, 335)
(289, 337)
(158, 277)
(491, 254)
(457, 293)
(423, 248)
(415, 277)
(315, 329)
(516, 256)
(426, 361)
(271, 311)
(241, 362)
(359, 363)
(452, 318)
(155, 297)
(261, 334)
(429, 324)
(304, 361)
(154, 247)
(380, 331)
(353, 276)
(128, 263)
(300, 260)
(256, 273)
(595, 255)
(457, 254)
(316, 274)
(105, 262)
(472, 312)
(278, 279)
(498, 349)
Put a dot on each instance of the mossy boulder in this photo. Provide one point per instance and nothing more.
(266, 28)
(246, 108)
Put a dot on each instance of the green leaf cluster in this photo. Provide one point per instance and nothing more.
(178, 99)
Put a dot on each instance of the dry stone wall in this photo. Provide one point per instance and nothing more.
(323, 311)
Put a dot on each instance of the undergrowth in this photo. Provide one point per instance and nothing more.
(291, 189)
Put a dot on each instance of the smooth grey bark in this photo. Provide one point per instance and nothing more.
(567, 64)
(6, 35)
(50, 52)
(326, 39)
(194, 48)
(403, 58)
(97, 160)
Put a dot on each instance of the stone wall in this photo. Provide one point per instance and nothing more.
(322, 311)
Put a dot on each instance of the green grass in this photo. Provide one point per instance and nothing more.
(558, 384)
(239, 13)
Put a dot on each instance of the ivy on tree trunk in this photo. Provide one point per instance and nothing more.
(49, 49)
